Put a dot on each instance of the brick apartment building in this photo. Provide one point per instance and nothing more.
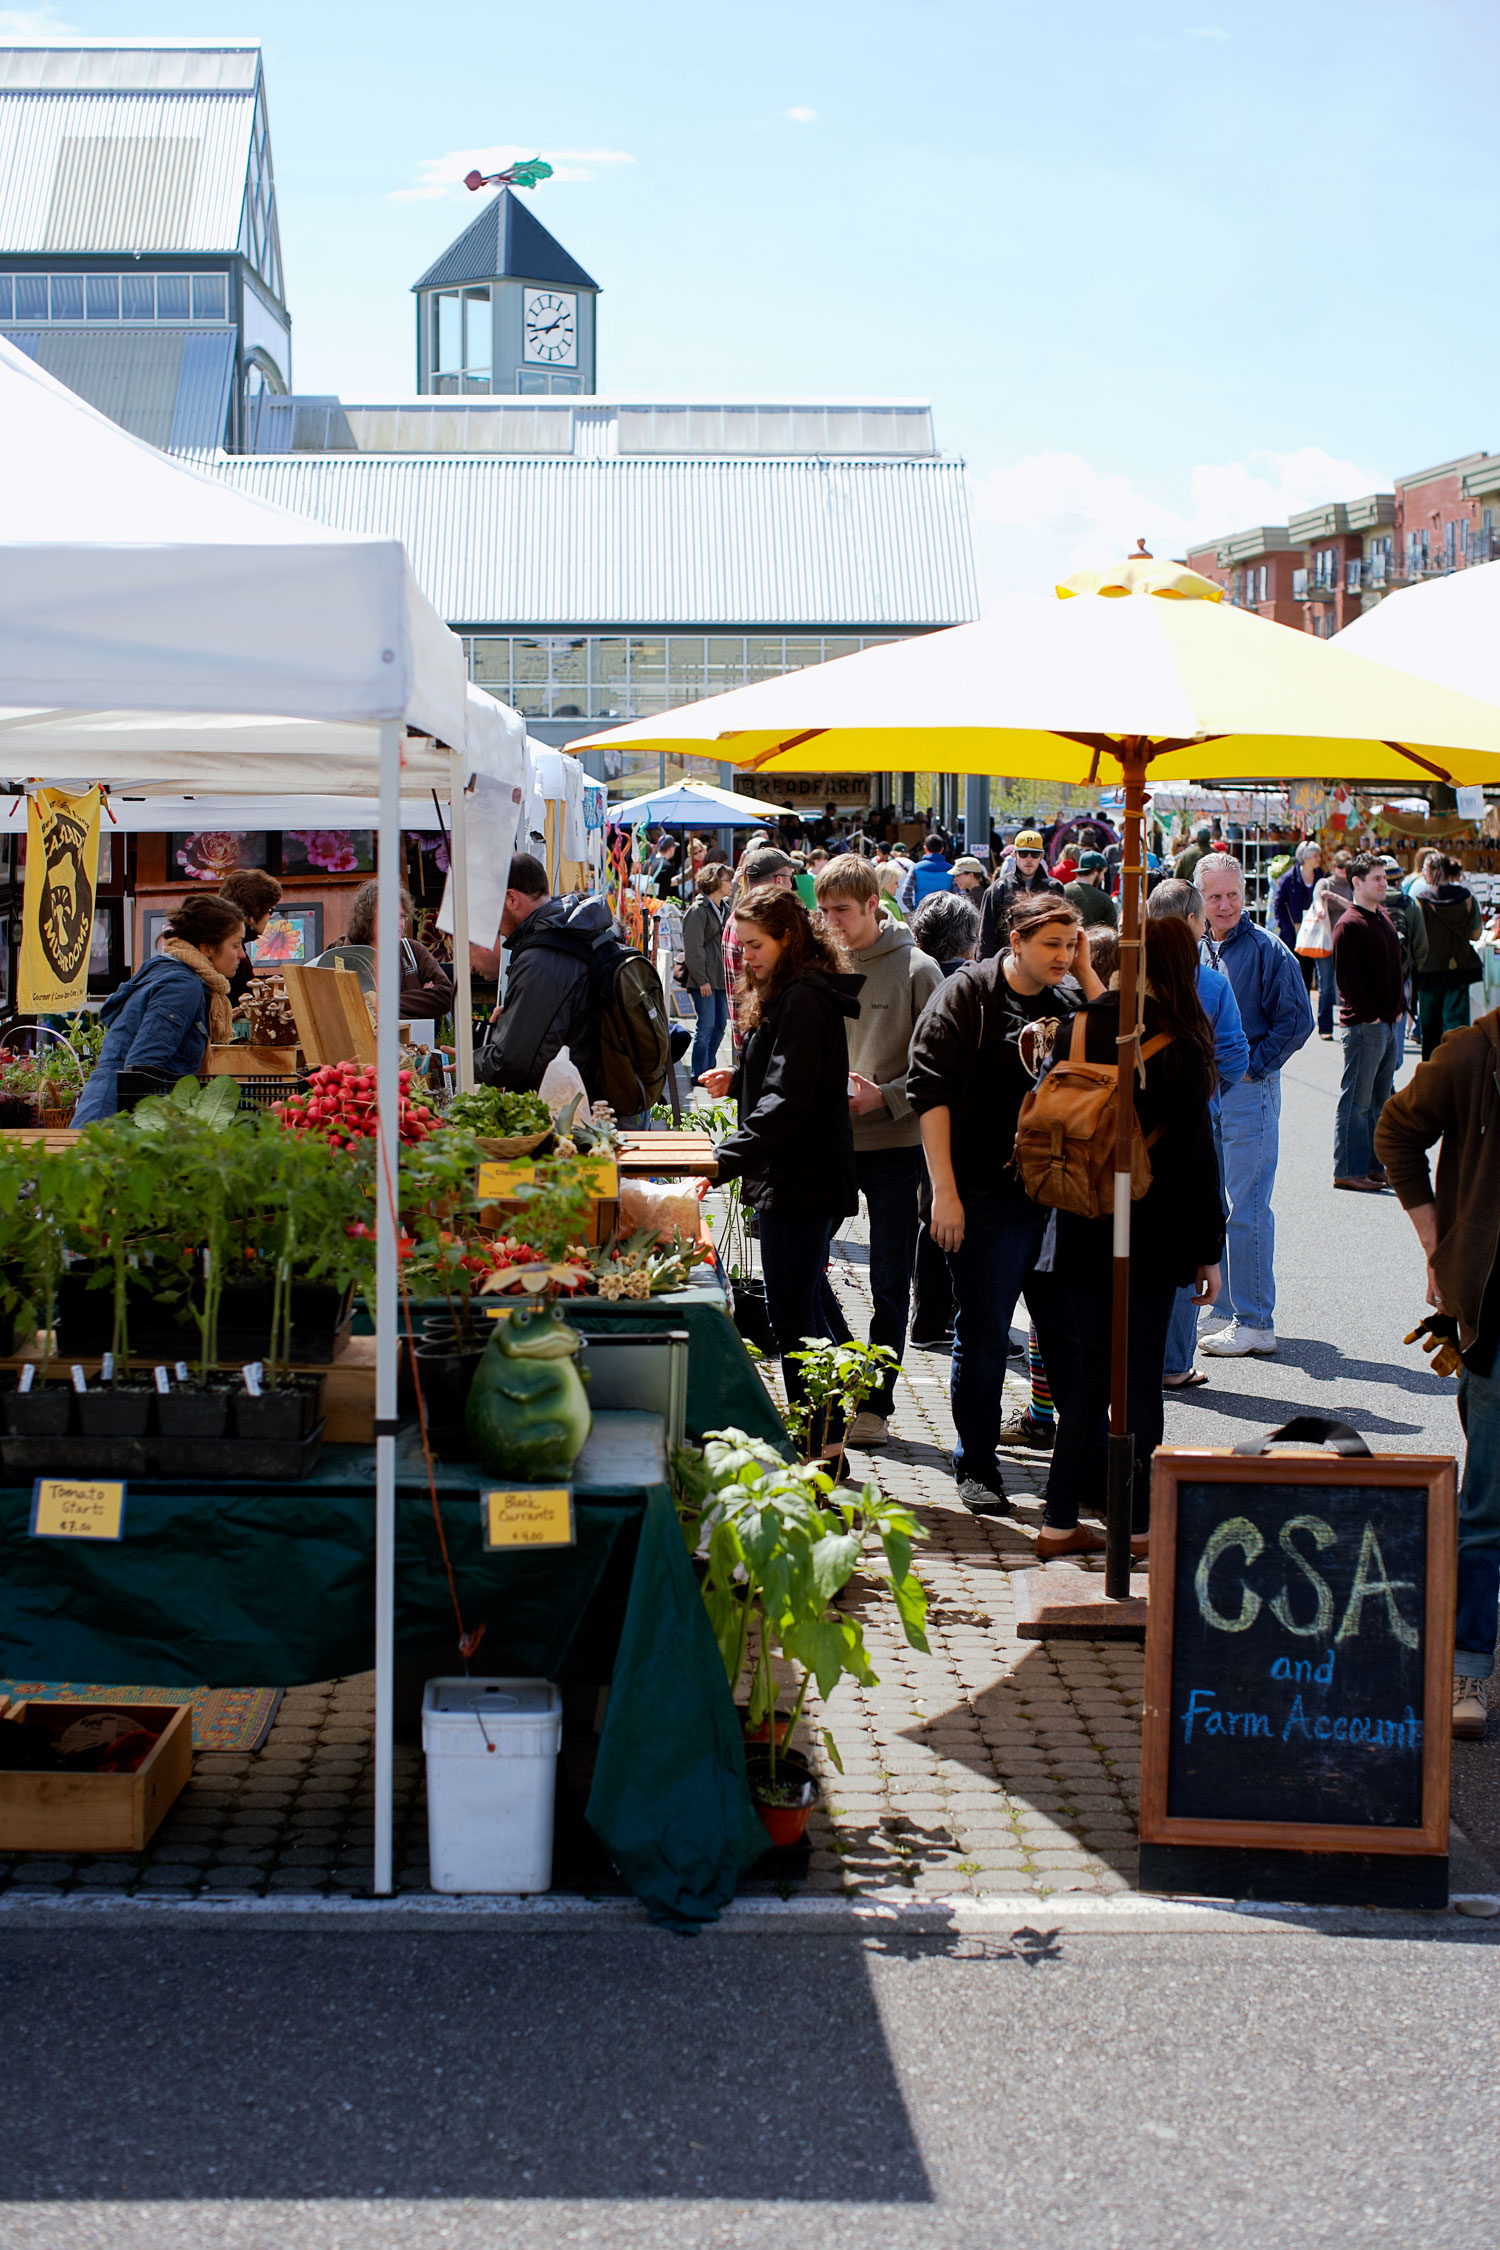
(1326, 565)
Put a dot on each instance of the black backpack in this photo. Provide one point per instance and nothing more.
(634, 1048)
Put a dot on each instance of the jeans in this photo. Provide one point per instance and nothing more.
(1079, 1474)
(1478, 1616)
(887, 1179)
(1370, 1058)
(1318, 968)
(1446, 1009)
(993, 1265)
(713, 1020)
(793, 1262)
(1250, 1123)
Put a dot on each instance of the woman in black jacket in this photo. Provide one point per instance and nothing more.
(1176, 1238)
(794, 1149)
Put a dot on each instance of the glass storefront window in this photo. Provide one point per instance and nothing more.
(528, 661)
(800, 653)
(31, 296)
(103, 296)
(67, 296)
(609, 661)
(210, 297)
(570, 662)
(490, 663)
(765, 659)
(138, 296)
(174, 298)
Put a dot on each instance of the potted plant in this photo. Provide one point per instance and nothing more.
(314, 1199)
(836, 1380)
(31, 1265)
(776, 1545)
(746, 1291)
(116, 1206)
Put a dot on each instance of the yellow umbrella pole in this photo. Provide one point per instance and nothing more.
(1119, 1504)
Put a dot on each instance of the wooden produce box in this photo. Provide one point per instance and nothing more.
(96, 1812)
(685, 1155)
(240, 1060)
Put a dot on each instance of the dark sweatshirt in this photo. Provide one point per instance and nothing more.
(1367, 967)
(977, 1052)
(1454, 1098)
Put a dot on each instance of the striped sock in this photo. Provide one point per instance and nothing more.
(1042, 1408)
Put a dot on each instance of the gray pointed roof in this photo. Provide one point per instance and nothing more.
(505, 243)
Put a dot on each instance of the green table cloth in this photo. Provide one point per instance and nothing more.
(257, 1583)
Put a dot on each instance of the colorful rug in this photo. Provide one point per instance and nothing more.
(236, 1718)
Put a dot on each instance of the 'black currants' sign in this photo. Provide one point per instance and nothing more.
(1299, 1654)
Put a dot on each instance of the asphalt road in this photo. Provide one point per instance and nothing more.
(1273, 2092)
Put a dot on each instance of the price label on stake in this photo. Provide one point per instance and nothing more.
(62, 1508)
(598, 1175)
(528, 1515)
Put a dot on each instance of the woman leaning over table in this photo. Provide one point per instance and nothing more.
(703, 960)
(164, 1018)
(794, 1148)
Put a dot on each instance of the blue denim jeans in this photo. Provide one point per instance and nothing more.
(1250, 1123)
(713, 1021)
(887, 1179)
(993, 1266)
(1478, 1616)
(1370, 1058)
(1318, 969)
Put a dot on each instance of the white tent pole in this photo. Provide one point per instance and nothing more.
(387, 1066)
(463, 992)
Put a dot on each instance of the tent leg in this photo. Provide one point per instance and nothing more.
(1121, 1444)
(387, 1067)
(463, 990)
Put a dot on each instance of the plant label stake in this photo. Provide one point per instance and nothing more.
(79, 1379)
(182, 1371)
(28, 1377)
(252, 1372)
(163, 1381)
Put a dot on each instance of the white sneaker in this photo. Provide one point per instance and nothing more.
(1471, 1708)
(1237, 1342)
(1210, 1322)
(869, 1429)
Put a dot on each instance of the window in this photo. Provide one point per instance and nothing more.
(174, 296)
(67, 296)
(31, 296)
(1352, 575)
(1450, 546)
(478, 328)
(1299, 585)
(1265, 581)
(103, 296)
(447, 333)
(210, 296)
(138, 296)
(5, 297)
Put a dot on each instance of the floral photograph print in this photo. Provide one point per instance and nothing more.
(213, 853)
(294, 933)
(328, 851)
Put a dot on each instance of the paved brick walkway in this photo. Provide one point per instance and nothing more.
(988, 1765)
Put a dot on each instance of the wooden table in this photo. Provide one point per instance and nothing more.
(684, 1155)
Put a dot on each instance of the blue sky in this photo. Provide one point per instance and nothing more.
(1161, 269)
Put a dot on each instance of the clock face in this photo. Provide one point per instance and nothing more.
(550, 329)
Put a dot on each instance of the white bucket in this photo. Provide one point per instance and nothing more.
(491, 1750)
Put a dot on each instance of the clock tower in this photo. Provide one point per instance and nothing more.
(505, 311)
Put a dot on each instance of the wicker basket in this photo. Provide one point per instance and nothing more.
(518, 1144)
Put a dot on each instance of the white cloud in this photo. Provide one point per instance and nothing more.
(35, 23)
(441, 178)
(1206, 31)
(802, 116)
(1037, 519)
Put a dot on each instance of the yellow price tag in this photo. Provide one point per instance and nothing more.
(600, 1175)
(63, 1509)
(528, 1515)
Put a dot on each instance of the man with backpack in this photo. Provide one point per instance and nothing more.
(1451, 922)
(978, 1049)
(572, 983)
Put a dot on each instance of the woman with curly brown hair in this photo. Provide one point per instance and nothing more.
(794, 1149)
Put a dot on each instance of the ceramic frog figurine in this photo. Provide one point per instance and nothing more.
(527, 1414)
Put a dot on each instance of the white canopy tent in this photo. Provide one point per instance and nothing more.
(1447, 630)
(161, 633)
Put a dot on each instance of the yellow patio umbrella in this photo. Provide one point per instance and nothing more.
(1082, 685)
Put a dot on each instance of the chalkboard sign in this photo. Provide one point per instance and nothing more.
(1299, 1653)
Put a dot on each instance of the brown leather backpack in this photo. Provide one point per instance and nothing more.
(1065, 1138)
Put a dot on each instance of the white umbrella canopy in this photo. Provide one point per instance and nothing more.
(1447, 630)
(689, 801)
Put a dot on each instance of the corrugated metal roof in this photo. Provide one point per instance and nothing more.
(105, 171)
(588, 425)
(169, 386)
(505, 243)
(522, 542)
(147, 66)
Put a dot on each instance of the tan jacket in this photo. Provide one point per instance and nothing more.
(1454, 1098)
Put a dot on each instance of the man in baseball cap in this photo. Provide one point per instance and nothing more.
(1024, 871)
(1087, 892)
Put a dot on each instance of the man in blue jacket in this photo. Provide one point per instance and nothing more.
(1277, 1018)
(933, 872)
(1232, 1054)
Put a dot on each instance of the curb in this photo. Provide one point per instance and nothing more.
(1065, 1913)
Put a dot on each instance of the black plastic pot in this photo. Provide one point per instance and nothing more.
(318, 1312)
(751, 1315)
(117, 1410)
(193, 1413)
(45, 1411)
(446, 1373)
(280, 1416)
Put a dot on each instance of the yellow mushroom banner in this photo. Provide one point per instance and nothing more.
(57, 907)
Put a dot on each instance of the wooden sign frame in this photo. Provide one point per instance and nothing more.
(1433, 1474)
(332, 1014)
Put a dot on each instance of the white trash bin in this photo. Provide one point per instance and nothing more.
(491, 1749)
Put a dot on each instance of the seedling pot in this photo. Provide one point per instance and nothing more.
(446, 1370)
(117, 1410)
(192, 1413)
(785, 1804)
(45, 1411)
(282, 1415)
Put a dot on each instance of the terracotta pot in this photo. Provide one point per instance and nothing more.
(783, 1823)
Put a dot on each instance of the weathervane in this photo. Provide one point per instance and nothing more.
(525, 173)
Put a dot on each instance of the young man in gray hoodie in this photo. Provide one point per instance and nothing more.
(899, 980)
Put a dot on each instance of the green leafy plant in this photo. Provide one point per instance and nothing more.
(777, 1545)
(836, 1380)
(497, 1114)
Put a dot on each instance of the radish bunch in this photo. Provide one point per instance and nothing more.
(340, 1103)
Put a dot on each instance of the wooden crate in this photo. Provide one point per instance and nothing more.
(96, 1812)
(332, 1014)
(239, 1059)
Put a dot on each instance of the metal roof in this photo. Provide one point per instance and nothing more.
(132, 66)
(588, 425)
(505, 243)
(169, 386)
(112, 172)
(693, 543)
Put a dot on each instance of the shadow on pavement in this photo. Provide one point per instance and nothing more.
(1270, 1413)
(217, 2065)
(1327, 1363)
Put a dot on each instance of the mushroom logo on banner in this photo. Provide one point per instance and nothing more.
(57, 909)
